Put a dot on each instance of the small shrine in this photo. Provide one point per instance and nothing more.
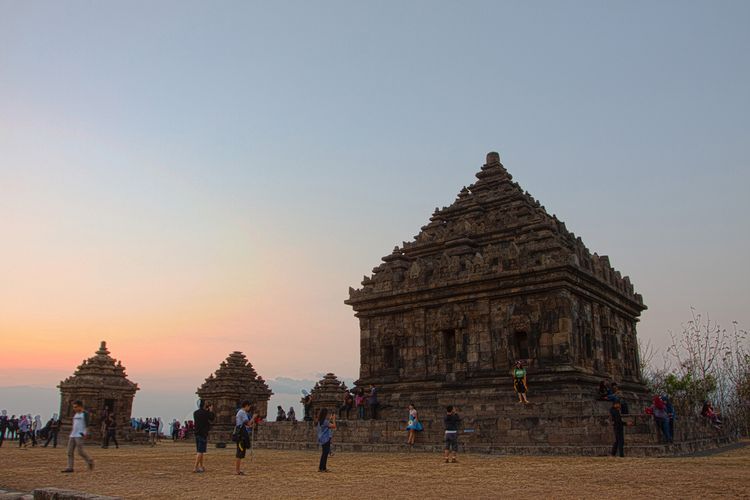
(234, 381)
(101, 384)
(329, 393)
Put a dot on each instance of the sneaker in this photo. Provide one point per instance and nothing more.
(240, 473)
(91, 465)
(67, 470)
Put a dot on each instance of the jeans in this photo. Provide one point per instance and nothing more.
(361, 412)
(51, 436)
(73, 444)
(324, 456)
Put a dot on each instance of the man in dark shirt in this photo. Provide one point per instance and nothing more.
(618, 425)
(53, 428)
(203, 418)
(451, 421)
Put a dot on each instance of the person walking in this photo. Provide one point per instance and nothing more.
(413, 426)
(77, 433)
(53, 428)
(23, 431)
(519, 382)
(243, 421)
(110, 427)
(203, 417)
(324, 428)
(451, 421)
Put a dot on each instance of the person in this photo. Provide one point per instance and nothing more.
(23, 431)
(372, 401)
(451, 421)
(708, 413)
(53, 428)
(348, 404)
(153, 431)
(290, 416)
(307, 406)
(604, 391)
(243, 422)
(175, 429)
(413, 426)
(519, 382)
(37, 427)
(324, 428)
(661, 419)
(3, 425)
(280, 414)
(359, 401)
(618, 425)
(203, 418)
(670, 415)
(110, 427)
(77, 433)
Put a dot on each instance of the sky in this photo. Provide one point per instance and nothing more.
(186, 179)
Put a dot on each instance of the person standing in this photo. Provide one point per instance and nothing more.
(153, 431)
(243, 421)
(359, 402)
(451, 421)
(175, 429)
(618, 425)
(53, 428)
(519, 382)
(348, 404)
(373, 402)
(3, 425)
(203, 417)
(77, 433)
(413, 426)
(324, 428)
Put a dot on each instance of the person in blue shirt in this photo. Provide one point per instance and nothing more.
(243, 422)
(324, 426)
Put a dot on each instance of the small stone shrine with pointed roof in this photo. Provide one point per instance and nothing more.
(234, 381)
(328, 393)
(100, 383)
(491, 279)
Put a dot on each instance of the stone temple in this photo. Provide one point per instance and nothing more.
(491, 279)
(99, 382)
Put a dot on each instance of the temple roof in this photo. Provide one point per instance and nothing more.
(235, 375)
(493, 229)
(98, 371)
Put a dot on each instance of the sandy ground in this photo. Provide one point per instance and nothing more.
(166, 472)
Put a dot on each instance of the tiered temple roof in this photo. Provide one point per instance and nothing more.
(100, 371)
(494, 228)
(237, 376)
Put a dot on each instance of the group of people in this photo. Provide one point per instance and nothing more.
(27, 430)
(285, 416)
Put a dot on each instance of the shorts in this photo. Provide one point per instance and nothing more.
(451, 441)
(519, 386)
(200, 444)
(243, 444)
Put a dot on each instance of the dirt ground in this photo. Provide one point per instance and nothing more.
(166, 472)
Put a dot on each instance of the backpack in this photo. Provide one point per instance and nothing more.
(236, 434)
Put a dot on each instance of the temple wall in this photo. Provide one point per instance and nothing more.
(583, 428)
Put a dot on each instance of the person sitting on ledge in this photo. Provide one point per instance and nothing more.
(280, 414)
(604, 390)
(710, 414)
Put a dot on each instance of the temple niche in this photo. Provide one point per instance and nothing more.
(235, 380)
(99, 382)
(329, 393)
(491, 279)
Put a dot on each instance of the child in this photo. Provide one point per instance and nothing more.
(451, 421)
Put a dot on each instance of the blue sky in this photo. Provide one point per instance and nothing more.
(206, 177)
